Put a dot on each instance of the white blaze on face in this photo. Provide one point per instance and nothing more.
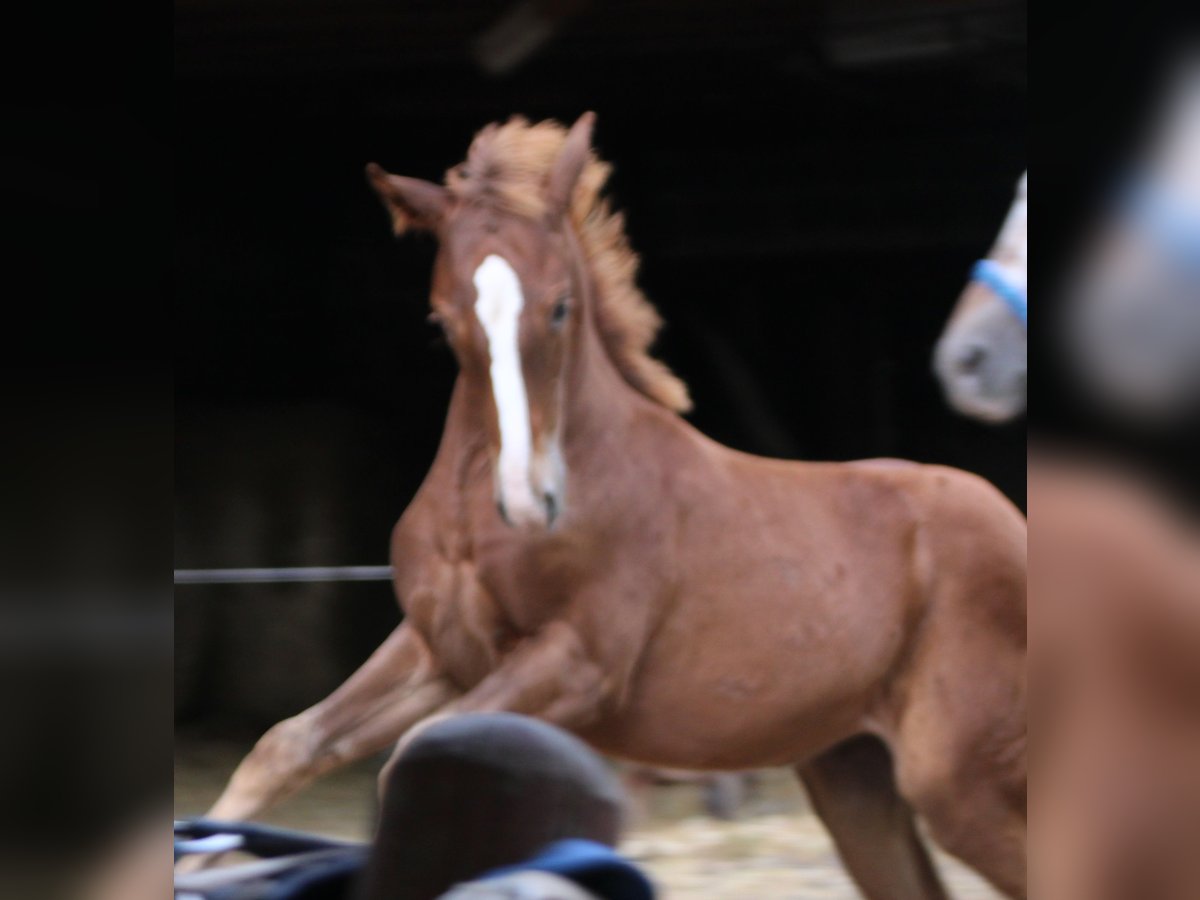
(499, 307)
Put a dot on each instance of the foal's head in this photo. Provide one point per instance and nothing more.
(508, 291)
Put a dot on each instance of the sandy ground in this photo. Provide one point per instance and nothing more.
(774, 850)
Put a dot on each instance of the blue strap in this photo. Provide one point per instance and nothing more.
(591, 865)
(992, 275)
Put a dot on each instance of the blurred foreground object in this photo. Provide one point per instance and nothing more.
(134, 868)
(483, 805)
(1132, 322)
(477, 792)
(1115, 663)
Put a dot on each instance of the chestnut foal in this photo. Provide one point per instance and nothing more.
(581, 554)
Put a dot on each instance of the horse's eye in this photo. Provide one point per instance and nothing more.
(558, 315)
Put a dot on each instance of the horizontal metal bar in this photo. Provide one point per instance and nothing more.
(283, 575)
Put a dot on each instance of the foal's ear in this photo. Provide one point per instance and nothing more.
(568, 165)
(413, 203)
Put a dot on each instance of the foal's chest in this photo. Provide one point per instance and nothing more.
(474, 611)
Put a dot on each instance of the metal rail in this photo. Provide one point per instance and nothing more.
(283, 575)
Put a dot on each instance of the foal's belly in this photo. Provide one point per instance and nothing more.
(766, 708)
(781, 635)
(716, 734)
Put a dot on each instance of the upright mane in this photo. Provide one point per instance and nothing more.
(507, 166)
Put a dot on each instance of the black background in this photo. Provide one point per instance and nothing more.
(805, 227)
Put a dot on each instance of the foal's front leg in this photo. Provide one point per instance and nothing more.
(397, 687)
(550, 676)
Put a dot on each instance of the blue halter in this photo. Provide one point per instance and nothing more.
(992, 275)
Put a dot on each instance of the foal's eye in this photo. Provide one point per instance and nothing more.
(558, 315)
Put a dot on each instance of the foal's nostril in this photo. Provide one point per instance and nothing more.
(503, 512)
(551, 508)
(970, 358)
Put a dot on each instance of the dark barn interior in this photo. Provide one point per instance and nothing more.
(807, 183)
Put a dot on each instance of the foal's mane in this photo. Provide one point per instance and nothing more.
(506, 167)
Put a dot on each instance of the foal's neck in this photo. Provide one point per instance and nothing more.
(596, 397)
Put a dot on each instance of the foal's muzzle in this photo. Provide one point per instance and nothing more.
(531, 498)
(545, 518)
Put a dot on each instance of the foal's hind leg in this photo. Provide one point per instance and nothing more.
(976, 815)
(961, 759)
(854, 792)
